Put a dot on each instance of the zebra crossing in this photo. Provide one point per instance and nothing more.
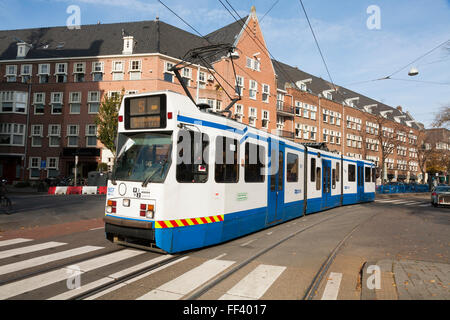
(187, 277)
(404, 202)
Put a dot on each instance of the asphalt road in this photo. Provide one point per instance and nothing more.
(327, 255)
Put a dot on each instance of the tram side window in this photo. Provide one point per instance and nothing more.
(292, 168)
(351, 173)
(192, 157)
(367, 174)
(313, 169)
(254, 163)
(338, 171)
(374, 174)
(333, 179)
(227, 164)
(318, 180)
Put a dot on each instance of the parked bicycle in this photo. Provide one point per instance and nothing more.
(5, 202)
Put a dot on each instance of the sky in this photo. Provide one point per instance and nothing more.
(358, 44)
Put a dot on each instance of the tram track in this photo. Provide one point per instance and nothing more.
(197, 293)
(317, 279)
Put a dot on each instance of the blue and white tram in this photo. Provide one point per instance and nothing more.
(186, 178)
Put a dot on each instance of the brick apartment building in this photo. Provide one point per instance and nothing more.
(53, 80)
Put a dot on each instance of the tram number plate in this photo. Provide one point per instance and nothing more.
(138, 193)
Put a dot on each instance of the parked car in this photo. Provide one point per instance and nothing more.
(440, 195)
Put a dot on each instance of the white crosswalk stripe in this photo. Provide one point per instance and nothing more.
(87, 287)
(13, 241)
(332, 288)
(46, 259)
(29, 249)
(403, 202)
(255, 284)
(187, 282)
(22, 286)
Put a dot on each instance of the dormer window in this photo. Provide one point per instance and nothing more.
(128, 45)
(22, 49)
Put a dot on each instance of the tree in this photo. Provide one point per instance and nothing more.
(442, 118)
(388, 141)
(425, 152)
(107, 120)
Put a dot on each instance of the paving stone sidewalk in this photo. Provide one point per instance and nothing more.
(408, 280)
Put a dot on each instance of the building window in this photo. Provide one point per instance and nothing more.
(168, 75)
(52, 167)
(265, 93)
(12, 134)
(11, 73)
(97, 71)
(34, 166)
(13, 101)
(253, 89)
(265, 119)
(135, 69)
(91, 135)
(54, 135)
(72, 135)
(93, 101)
(39, 102)
(44, 73)
(36, 135)
(26, 72)
(57, 102)
(79, 69)
(61, 72)
(253, 64)
(118, 70)
(75, 102)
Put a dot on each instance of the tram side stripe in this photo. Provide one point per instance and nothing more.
(187, 222)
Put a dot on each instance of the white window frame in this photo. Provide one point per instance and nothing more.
(253, 89)
(90, 134)
(52, 134)
(69, 134)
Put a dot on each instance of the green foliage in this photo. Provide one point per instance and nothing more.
(102, 167)
(107, 120)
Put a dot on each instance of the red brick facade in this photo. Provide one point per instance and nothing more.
(295, 114)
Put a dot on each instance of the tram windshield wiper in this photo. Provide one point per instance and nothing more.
(160, 170)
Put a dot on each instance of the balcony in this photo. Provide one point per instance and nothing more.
(286, 110)
(285, 134)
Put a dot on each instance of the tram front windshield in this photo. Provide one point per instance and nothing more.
(143, 157)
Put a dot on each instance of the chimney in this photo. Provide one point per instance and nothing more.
(399, 108)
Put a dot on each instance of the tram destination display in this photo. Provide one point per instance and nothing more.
(145, 112)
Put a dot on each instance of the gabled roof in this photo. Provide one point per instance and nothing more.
(227, 34)
(99, 40)
(289, 74)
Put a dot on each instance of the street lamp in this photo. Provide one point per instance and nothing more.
(413, 72)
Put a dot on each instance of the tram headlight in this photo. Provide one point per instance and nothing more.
(108, 209)
(126, 202)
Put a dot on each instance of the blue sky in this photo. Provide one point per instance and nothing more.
(354, 53)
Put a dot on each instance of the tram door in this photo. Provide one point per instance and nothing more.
(326, 183)
(360, 180)
(276, 181)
